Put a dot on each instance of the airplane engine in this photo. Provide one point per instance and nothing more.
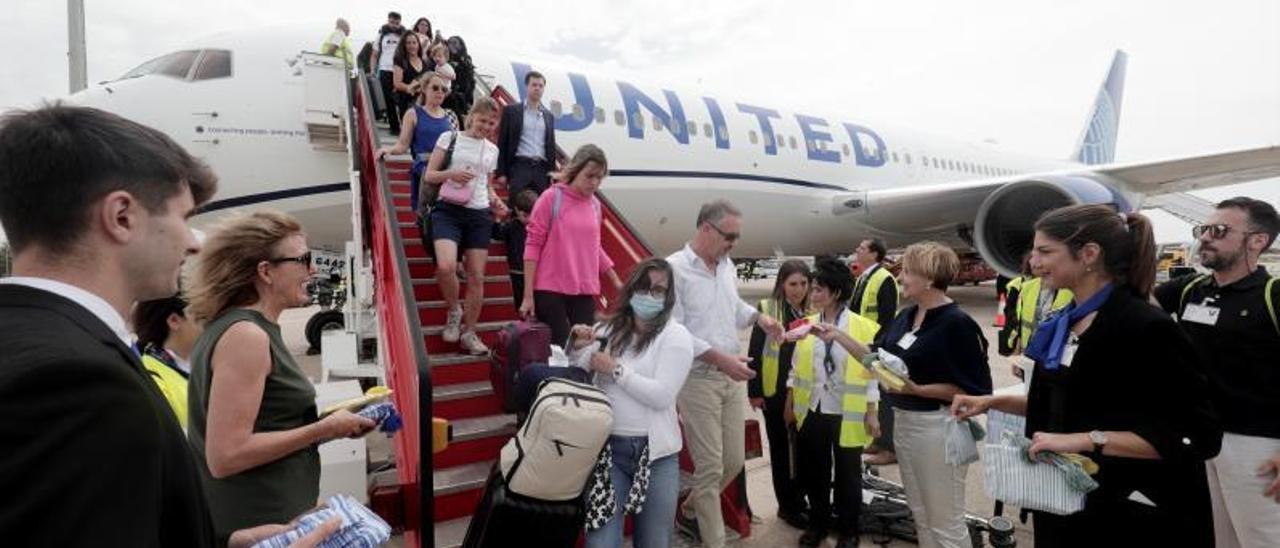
(1003, 229)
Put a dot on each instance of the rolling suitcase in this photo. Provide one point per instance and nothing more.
(504, 519)
(520, 344)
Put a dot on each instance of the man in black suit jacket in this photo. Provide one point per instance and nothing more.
(527, 140)
(95, 209)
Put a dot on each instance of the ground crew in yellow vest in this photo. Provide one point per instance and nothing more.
(1035, 301)
(875, 297)
(1008, 333)
(165, 340)
(338, 44)
(832, 400)
(1232, 317)
(767, 391)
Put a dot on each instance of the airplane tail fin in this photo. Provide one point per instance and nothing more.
(1097, 143)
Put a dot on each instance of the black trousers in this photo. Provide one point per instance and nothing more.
(885, 413)
(517, 289)
(387, 79)
(530, 174)
(819, 450)
(562, 312)
(786, 489)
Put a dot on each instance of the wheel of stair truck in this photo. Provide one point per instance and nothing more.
(320, 322)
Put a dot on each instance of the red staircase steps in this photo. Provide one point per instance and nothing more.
(461, 391)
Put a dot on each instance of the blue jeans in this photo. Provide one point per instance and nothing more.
(653, 526)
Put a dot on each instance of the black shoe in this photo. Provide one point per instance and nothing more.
(812, 538)
(688, 526)
(847, 542)
(798, 519)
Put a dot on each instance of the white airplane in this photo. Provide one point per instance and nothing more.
(807, 180)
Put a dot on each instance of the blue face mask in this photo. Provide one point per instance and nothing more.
(647, 307)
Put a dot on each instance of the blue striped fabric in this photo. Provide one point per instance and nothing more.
(361, 528)
(384, 414)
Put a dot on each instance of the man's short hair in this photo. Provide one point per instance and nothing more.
(524, 200)
(528, 77)
(877, 246)
(59, 160)
(715, 210)
(393, 15)
(1262, 216)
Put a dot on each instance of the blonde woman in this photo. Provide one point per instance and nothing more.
(946, 356)
(463, 217)
(253, 421)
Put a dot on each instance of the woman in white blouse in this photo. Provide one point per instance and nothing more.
(645, 359)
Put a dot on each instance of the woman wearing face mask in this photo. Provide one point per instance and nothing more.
(1115, 379)
(772, 362)
(643, 365)
(832, 400)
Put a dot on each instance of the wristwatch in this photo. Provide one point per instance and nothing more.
(1099, 440)
(617, 372)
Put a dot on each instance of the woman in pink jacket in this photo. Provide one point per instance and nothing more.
(563, 258)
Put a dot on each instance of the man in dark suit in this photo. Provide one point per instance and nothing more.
(527, 140)
(95, 208)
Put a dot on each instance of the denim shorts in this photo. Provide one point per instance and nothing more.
(469, 228)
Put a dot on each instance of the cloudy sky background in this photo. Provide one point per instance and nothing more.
(1202, 77)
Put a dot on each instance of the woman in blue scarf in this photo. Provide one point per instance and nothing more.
(1117, 381)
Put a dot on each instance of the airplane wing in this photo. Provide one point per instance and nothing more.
(995, 215)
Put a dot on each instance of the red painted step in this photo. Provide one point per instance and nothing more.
(429, 289)
(422, 267)
(467, 451)
(455, 368)
(488, 332)
(413, 244)
(496, 309)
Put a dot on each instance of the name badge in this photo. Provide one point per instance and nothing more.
(907, 340)
(1069, 352)
(1201, 314)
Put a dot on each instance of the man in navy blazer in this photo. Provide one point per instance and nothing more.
(527, 140)
(95, 208)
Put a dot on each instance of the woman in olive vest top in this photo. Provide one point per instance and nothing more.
(253, 424)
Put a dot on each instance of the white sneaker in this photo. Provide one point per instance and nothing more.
(452, 325)
(472, 343)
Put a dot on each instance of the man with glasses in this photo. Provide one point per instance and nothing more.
(1230, 316)
(527, 140)
(713, 402)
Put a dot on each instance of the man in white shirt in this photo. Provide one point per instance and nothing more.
(384, 54)
(338, 44)
(714, 398)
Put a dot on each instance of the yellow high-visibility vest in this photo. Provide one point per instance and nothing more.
(1027, 297)
(769, 356)
(867, 308)
(172, 384)
(853, 391)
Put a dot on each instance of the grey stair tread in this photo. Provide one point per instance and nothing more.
(460, 478)
(483, 427)
(461, 390)
(454, 358)
(435, 281)
(428, 260)
(450, 534)
(482, 326)
(441, 303)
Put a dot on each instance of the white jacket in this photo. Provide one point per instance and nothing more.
(651, 380)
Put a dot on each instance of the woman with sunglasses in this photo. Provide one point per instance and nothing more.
(641, 364)
(421, 129)
(1116, 380)
(253, 423)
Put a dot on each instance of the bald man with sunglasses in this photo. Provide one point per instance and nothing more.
(1231, 318)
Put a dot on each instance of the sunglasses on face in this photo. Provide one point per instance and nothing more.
(1216, 232)
(728, 236)
(435, 87)
(304, 259)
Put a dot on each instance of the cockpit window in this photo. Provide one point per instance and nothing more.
(215, 63)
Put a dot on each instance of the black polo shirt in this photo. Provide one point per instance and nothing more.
(1241, 351)
(949, 348)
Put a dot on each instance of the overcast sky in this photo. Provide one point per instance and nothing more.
(1202, 77)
